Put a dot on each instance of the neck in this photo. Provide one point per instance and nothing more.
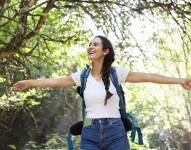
(97, 68)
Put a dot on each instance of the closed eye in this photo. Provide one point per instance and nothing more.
(94, 44)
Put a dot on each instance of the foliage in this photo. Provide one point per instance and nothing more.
(54, 141)
(48, 39)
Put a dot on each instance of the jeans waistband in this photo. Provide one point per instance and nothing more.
(104, 120)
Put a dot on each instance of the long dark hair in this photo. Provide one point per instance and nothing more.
(108, 60)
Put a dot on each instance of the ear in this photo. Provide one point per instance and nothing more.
(106, 51)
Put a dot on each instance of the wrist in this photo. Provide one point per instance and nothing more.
(30, 83)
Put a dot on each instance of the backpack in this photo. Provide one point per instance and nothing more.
(127, 119)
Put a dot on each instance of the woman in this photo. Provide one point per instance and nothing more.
(106, 130)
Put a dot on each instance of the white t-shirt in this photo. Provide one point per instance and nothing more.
(94, 95)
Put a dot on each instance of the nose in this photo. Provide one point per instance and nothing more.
(91, 46)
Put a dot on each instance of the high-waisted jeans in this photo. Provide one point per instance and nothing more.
(104, 134)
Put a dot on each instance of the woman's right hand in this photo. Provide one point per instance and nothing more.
(21, 85)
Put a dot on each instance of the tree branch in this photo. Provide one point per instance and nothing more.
(20, 39)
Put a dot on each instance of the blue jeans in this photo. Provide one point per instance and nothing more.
(104, 134)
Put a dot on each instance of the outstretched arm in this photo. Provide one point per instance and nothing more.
(137, 77)
(43, 83)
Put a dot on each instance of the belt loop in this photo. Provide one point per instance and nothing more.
(110, 121)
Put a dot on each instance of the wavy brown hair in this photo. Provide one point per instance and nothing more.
(108, 60)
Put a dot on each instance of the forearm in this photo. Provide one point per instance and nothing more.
(161, 79)
(52, 83)
(137, 77)
(43, 83)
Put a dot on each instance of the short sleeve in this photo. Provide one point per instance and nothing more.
(76, 77)
(122, 74)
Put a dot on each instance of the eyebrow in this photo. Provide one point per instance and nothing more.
(94, 43)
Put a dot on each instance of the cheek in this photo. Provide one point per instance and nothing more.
(99, 49)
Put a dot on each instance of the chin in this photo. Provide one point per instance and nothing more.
(91, 57)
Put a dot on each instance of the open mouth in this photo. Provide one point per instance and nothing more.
(91, 52)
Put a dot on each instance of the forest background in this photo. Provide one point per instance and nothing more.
(48, 39)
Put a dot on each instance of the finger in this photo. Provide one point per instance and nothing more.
(22, 87)
(15, 86)
(18, 87)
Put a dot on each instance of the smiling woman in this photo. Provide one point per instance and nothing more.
(106, 130)
(95, 47)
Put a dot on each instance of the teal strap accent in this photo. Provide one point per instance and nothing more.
(140, 136)
(130, 116)
(69, 141)
(133, 134)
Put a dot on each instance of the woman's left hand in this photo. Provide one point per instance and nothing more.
(186, 84)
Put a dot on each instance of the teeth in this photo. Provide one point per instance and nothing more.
(91, 52)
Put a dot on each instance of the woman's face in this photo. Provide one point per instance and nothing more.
(95, 50)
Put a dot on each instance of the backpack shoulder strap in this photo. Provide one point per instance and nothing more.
(83, 78)
(114, 79)
(119, 89)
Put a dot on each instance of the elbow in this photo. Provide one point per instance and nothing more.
(139, 77)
